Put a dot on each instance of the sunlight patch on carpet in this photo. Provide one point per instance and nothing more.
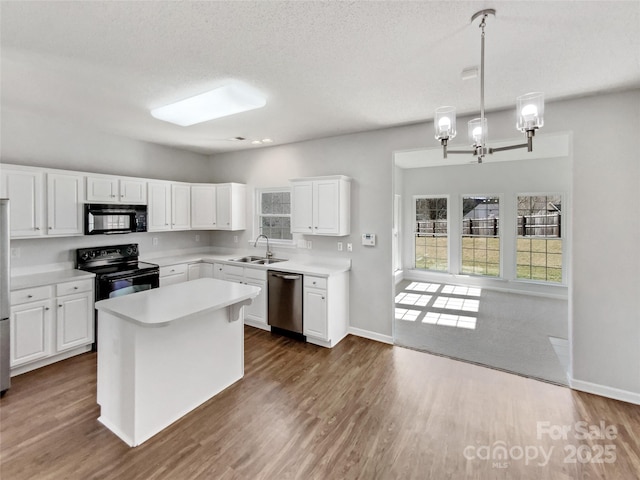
(451, 303)
(416, 299)
(407, 314)
(458, 290)
(449, 320)
(423, 287)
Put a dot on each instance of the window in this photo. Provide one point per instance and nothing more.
(481, 236)
(539, 242)
(431, 233)
(274, 213)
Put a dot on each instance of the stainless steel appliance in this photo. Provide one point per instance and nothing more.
(5, 271)
(118, 271)
(284, 294)
(107, 219)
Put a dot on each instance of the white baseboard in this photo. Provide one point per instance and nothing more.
(378, 337)
(605, 391)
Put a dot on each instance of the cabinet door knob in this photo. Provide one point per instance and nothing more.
(309, 228)
(29, 296)
(316, 228)
(50, 228)
(75, 288)
(322, 298)
(59, 305)
(37, 228)
(46, 308)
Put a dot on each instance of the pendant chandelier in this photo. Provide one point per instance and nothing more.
(530, 109)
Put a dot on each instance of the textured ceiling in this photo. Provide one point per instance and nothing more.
(326, 67)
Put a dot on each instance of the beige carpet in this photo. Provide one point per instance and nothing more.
(501, 330)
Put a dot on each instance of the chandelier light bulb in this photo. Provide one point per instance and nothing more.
(531, 111)
(445, 123)
(477, 134)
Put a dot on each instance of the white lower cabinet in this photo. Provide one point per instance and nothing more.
(184, 272)
(325, 309)
(172, 274)
(31, 325)
(74, 320)
(49, 322)
(256, 313)
(315, 313)
(199, 270)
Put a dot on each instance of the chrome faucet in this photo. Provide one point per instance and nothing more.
(255, 244)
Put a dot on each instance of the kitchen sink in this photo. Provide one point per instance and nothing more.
(246, 259)
(267, 261)
(257, 260)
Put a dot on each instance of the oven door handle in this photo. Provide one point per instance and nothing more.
(111, 232)
(131, 277)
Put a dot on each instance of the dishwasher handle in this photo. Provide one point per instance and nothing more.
(285, 276)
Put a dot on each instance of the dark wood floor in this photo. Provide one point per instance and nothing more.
(361, 410)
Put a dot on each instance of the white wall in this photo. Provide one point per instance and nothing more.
(606, 261)
(40, 141)
(36, 140)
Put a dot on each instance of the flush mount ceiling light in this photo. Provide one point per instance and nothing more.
(530, 109)
(223, 101)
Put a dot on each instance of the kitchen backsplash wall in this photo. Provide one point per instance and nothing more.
(56, 253)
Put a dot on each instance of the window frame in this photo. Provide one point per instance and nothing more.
(564, 199)
(448, 236)
(501, 225)
(257, 216)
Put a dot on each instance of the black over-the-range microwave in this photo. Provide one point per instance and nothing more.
(100, 218)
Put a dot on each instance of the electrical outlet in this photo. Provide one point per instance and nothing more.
(350, 247)
(15, 253)
(154, 241)
(339, 246)
(197, 237)
(309, 244)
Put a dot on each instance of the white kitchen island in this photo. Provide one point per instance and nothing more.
(163, 352)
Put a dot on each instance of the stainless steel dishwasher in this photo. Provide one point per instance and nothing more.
(284, 293)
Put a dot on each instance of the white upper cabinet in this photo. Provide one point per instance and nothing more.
(203, 206)
(180, 206)
(169, 206)
(113, 189)
(231, 206)
(102, 189)
(218, 206)
(24, 188)
(64, 204)
(133, 191)
(159, 210)
(321, 205)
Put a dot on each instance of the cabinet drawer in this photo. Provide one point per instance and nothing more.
(30, 295)
(256, 273)
(233, 270)
(315, 282)
(173, 270)
(74, 287)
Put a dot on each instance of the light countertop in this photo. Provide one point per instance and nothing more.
(163, 305)
(323, 268)
(48, 278)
